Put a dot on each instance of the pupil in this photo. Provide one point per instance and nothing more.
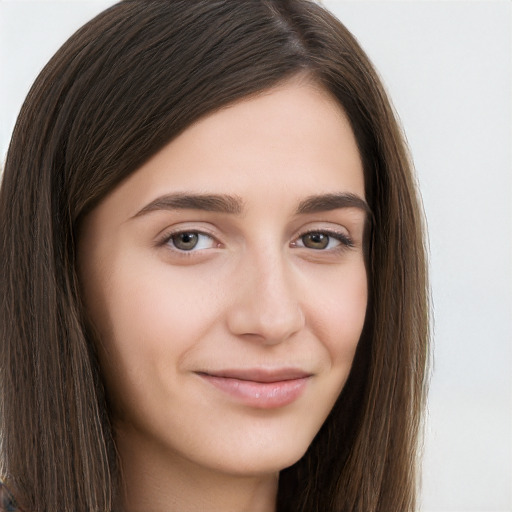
(185, 241)
(315, 240)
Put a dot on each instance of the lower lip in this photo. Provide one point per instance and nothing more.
(261, 395)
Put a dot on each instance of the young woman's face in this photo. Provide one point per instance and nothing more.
(227, 284)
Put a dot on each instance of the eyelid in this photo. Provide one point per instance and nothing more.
(164, 239)
(345, 239)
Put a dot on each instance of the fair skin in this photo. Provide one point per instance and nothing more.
(226, 281)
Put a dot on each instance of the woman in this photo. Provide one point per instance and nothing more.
(213, 280)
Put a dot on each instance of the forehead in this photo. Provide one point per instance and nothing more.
(281, 145)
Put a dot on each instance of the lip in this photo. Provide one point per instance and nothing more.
(260, 388)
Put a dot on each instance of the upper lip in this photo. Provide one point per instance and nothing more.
(259, 374)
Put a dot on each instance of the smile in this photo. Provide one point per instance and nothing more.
(260, 389)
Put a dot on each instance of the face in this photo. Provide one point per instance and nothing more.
(226, 281)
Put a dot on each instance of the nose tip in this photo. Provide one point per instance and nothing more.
(271, 327)
(267, 307)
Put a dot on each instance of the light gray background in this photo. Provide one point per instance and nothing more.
(448, 68)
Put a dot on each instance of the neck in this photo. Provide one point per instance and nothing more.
(158, 481)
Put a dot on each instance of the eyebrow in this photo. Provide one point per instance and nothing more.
(206, 202)
(223, 203)
(326, 202)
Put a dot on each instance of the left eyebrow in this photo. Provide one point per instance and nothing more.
(326, 202)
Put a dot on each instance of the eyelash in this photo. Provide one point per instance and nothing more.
(167, 238)
(345, 241)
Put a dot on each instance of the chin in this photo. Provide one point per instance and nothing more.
(261, 458)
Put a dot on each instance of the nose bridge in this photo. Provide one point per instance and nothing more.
(267, 304)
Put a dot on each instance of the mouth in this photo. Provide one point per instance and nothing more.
(259, 388)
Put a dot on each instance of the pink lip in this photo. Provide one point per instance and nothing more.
(263, 389)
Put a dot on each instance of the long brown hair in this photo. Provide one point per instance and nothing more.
(118, 90)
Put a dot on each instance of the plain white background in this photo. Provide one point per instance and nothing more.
(448, 68)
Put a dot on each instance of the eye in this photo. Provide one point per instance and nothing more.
(323, 240)
(190, 241)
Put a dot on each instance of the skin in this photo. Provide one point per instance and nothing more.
(255, 293)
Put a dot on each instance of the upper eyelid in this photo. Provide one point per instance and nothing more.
(174, 230)
(336, 230)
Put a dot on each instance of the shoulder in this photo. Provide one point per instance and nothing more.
(7, 501)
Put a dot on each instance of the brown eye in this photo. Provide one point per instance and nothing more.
(323, 241)
(185, 241)
(315, 240)
(190, 241)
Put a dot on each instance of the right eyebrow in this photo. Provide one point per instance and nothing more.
(221, 203)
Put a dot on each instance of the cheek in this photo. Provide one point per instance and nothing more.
(340, 313)
(163, 306)
(147, 322)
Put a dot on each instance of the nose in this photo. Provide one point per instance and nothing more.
(266, 306)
